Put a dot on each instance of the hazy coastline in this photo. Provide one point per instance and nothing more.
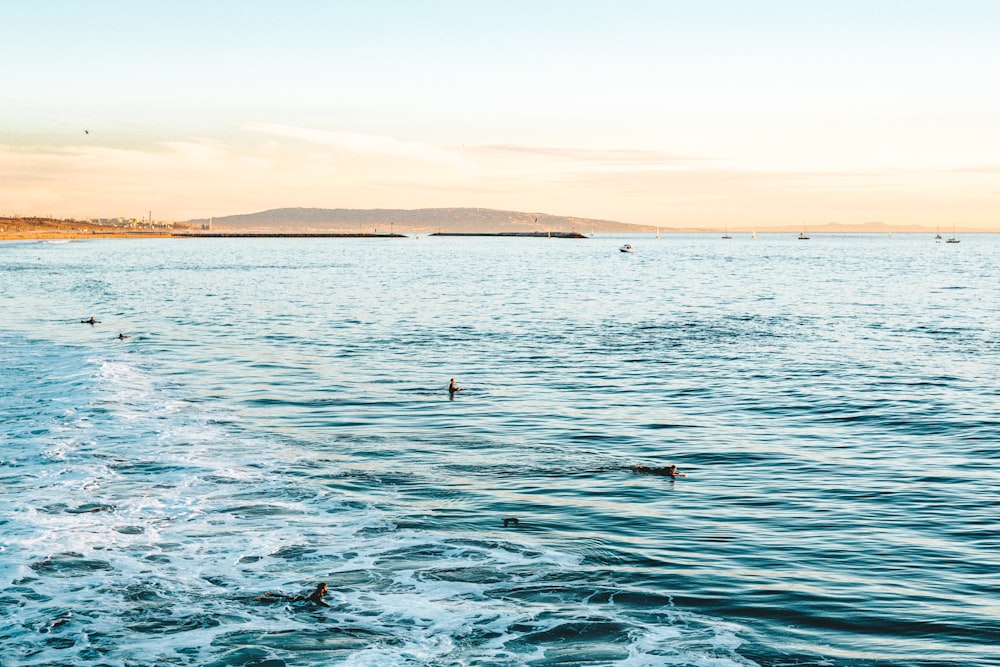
(380, 223)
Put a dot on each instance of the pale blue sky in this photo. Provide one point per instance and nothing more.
(637, 111)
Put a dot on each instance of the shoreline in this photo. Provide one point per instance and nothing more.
(45, 230)
(47, 235)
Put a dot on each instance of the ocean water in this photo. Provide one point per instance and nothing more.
(278, 416)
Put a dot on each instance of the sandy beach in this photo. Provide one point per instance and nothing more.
(13, 229)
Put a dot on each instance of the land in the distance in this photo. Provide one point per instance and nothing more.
(49, 228)
(418, 221)
(493, 221)
(393, 222)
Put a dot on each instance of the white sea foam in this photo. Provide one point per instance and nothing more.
(141, 521)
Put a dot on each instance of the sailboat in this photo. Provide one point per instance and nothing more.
(725, 233)
(802, 235)
(938, 235)
(754, 234)
(954, 236)
(657, 232)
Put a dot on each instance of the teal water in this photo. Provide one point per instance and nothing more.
(278, 416)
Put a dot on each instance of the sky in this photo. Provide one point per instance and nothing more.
(695, 113)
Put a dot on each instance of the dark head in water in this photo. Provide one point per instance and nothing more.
(670, 471)
(317, 595)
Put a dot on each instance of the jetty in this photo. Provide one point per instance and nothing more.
(554, 235)
(284, 235)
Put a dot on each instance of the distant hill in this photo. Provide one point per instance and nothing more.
(424, 220)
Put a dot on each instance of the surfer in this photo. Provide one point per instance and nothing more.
(90, 321)
(670, 471)
(511, 521)
(453, 388)
(316, 597)
(122, 336)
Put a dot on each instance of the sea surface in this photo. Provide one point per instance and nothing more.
(278, 416)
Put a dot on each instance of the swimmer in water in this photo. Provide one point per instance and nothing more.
(90, 321)
(316, 597)
(453, 388)
(671, 471)
(511, 521)
(122, 336)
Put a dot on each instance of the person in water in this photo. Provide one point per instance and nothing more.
(670, 471)
(316, 597)
(90, 321)
(122, 336)
(453, 388)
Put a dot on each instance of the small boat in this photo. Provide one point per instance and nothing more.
(725, 232)
(803, 237)
(627, 248)
(754, 235)
(954, 236)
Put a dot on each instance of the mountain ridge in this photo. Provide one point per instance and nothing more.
(488, 220)
(424, 220)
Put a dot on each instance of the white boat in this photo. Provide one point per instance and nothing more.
(803, 237)
(954, 236)
(627, 248)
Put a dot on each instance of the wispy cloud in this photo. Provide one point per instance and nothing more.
(77, 180)
(365, 144)
(606, 156)
(983, 169)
